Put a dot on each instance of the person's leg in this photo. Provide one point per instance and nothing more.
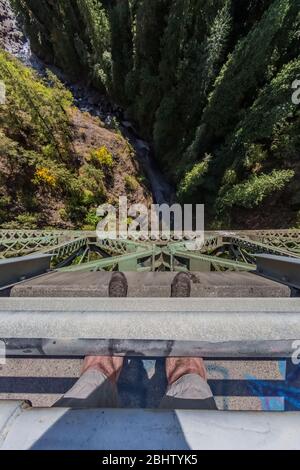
(97, 386)
(187, 378)
(187, 385)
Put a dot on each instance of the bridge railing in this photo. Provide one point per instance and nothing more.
(76, 250)
(222, 331)
(236, 328)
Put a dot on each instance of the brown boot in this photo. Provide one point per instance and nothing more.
(118, 286)
(181, 286)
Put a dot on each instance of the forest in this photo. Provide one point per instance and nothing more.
(208, 83)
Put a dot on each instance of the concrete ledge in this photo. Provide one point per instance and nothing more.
(95, 284)
(160, 327)
(63, 429)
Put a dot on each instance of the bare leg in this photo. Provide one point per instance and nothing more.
(188, 387)
(97, 386)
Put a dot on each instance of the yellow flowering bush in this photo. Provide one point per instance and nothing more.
(44, 175)
(103, 157)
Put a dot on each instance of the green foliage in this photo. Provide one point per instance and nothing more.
(92, 179)
(102, 157)
(246, 68)
(203, 30)
(122, 48)
(74, 34)
(25, 221)
(143, 81)
(36, 153)
(35, 142)
(33, 108)
(230, 177)
(193, 180)
(252, 192)
(131, 183)
(91, 220)
(199, 77)
(98, 56)
(255, 156)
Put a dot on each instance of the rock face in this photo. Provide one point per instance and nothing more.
(11, 37)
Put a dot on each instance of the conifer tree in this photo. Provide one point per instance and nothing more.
(121, 17)
(145, 92)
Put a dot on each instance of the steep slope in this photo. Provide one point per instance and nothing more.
(57, 164)
(209, 82)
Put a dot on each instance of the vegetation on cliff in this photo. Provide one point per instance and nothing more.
(56, 163)
(209, 82)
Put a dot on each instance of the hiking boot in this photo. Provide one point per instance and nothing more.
(118, 286)
(181, 286)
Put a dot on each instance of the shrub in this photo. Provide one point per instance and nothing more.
(35, 109)
(131, 183)
(45, 176)
(255, 156)
(193, 179)
(102, 157)
(25, 221)
(230, 177)
(91, 219)
(252, 192)
(91, 185)
(88, 197)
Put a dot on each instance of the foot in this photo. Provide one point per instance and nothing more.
(118, 286)
(180, 366)
(181, 286)
(109, 366)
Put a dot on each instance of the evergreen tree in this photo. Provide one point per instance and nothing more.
(207, 81)
(143, 83)
(203, 39)
(122, 48)
(249, 68)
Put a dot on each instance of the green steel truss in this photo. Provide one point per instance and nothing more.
(82, 251)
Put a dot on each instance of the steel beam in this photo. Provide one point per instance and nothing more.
(280, 268)
(18, 269)
(236, 328)
(198, 261)
(127, 262)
